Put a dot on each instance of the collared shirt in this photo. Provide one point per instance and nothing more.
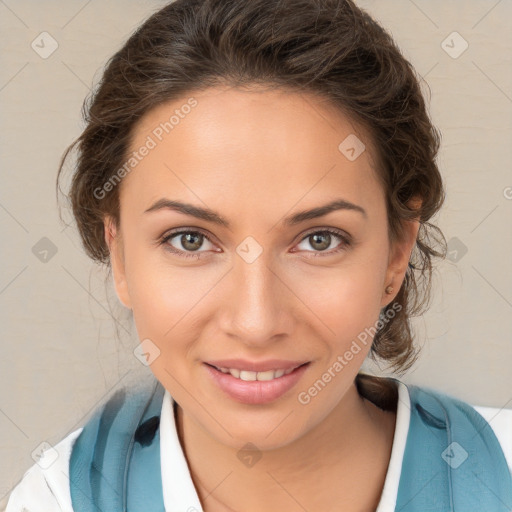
(45, 487)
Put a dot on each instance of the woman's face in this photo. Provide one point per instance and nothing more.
(238, 270)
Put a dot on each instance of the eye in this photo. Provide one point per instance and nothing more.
(186, 243)
(322, 240)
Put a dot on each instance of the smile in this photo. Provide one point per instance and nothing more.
(255, 387)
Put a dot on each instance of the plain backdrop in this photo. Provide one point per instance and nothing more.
(67, 343)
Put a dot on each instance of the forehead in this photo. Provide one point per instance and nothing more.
(267, 145)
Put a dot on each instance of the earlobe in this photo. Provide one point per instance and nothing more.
(398, 263)
(114, 243)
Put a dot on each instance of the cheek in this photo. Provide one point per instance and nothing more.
(168, 301)
(346, 299)
(157, 294)
(162, 307)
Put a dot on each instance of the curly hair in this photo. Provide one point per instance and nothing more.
(330, 48)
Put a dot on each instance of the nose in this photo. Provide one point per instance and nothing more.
(257, 307)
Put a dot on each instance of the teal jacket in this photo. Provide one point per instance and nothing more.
(453, 461)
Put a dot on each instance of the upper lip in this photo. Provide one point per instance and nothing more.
(256, 366)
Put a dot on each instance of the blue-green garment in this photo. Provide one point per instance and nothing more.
(452, 462)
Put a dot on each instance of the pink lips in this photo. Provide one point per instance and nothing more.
(255, 392)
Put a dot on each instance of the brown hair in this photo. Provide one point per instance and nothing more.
(329, 48)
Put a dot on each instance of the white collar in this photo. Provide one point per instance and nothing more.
(389, 494)
(177, 485)
(180, 494)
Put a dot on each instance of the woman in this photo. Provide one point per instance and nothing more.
(260, 178)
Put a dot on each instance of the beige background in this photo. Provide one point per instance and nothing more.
(61, 354)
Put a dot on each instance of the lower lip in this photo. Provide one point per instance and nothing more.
(255, 392)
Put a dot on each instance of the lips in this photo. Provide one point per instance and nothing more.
(250, 390)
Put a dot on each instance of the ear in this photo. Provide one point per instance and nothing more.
(115, 245)
(400, 254)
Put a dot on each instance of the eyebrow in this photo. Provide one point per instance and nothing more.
(212, 216)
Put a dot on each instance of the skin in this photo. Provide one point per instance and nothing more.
(256, 156)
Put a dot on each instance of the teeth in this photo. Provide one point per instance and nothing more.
(245, 375)
(235, 373)
(268, 375)
(253, 376)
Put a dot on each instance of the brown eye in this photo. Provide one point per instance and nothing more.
(191, 241)
(186, 243)
(318, 242)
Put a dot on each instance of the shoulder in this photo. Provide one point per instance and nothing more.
(490, 425)
(45, 486)
(500, 420)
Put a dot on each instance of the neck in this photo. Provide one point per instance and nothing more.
(347, 453)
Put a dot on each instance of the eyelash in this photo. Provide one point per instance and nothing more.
(345, 238)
